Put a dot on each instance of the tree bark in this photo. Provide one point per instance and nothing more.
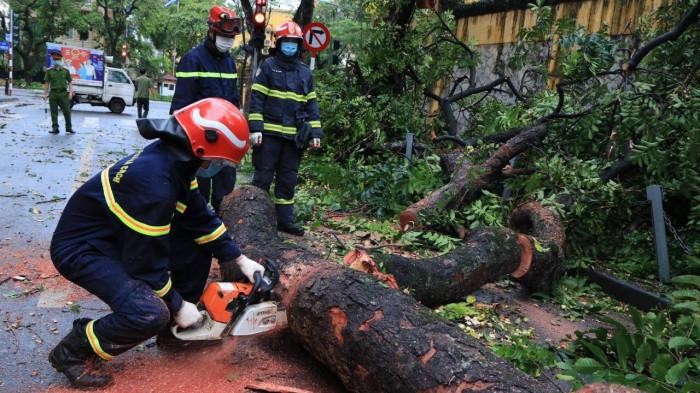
(486, 256)
(373, 338)
(467, 183)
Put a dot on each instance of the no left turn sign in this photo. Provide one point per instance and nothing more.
(316, 37)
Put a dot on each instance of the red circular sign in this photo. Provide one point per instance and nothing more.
(317, 37)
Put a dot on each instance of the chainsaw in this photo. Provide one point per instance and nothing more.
(236, 309)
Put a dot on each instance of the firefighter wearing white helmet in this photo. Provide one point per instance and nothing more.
(284, 119)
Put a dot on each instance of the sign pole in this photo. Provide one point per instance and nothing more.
(313, 62)
(9, 55)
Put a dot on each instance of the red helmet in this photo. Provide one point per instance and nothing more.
(288, 29)
(216, 129)
(224, 22)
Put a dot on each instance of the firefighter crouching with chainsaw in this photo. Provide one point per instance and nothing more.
(283, 118)
(208, 70)
(116, 235)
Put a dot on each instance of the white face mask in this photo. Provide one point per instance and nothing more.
(224, 44)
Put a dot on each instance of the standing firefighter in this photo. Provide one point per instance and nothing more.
(283, 117)
(208, 70)
(123, 231)
(59, 90)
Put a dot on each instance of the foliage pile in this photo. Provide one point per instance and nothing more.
(649, 118)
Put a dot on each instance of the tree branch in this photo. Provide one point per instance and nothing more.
(688, 19)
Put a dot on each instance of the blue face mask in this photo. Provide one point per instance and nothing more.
(289, 48)
(213, 168)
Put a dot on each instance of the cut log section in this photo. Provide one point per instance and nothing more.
(373, 338)
(487, 255)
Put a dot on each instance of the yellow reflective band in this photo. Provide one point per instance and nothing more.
(260, 88)
(280, 128)
(315, 123)
(95, 343)
(196, 74)
(255, 116)
(212, 236)
(126, 219)
(282, 95)
(280, 201)
(311, 96)
(180, 207)
(166, 288)
(194, 185)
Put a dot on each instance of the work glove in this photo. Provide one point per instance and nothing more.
(188, 315)
(315, 143)
(249, 267)
(256, 138)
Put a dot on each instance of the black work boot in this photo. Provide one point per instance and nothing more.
(53, 131)
(291, 228)
(74, 357)
(70, 131)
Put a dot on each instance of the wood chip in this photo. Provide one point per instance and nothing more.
(274, 388)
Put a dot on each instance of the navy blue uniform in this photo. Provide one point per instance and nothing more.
(282, 96)
(121, 233)
(204, 72)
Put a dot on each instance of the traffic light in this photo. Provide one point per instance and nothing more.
(259, 20)
(124, 51)
(15, 29)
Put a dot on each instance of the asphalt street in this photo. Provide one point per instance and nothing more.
(38, 173)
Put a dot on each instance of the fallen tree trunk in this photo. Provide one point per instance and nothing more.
(487, 255)
(469, 180)
(373, 338)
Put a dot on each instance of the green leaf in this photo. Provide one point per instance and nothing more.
(659, 325)
(677, 372)
(596, 350)
(637, 318)
(686, 294)
(680, 343)
(587, 365)
(687, 280)
(623, 347)
(644, 353)
(687, 306)
(564, 377)
(538, 246)
(661, 365)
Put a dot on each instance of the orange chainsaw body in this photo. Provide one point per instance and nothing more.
(218, 295)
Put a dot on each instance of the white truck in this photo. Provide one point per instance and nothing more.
(93, 82)
(116, 92)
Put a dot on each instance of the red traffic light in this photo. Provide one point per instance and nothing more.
(261, 2)
(259, 19)
(123, 53)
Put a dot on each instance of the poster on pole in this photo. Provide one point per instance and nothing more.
(86, 66)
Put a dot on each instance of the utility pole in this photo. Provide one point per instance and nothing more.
(177, 11)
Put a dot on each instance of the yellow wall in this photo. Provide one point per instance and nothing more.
(621, 16)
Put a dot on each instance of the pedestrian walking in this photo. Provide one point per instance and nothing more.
(58, 88)
(143, 92)
(284, 119)
(208, 70)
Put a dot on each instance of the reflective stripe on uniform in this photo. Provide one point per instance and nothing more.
(255, 116)
(166, 288)
(180, 207)
(124, 217)
(198, 74)
(311, 96)
(212, 236)
(283, 95)
(95, 343)
(315, 123)
(281, 201)
(279, 128)
(194, 185)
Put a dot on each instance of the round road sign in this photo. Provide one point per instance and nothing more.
(316, 37)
